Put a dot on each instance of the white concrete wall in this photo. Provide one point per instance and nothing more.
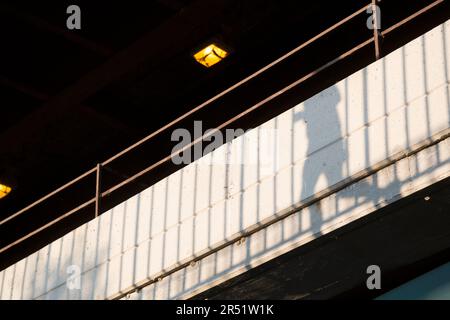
(347, 205)
(386, 108)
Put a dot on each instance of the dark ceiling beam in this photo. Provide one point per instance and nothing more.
(73, 37)
(174, 5)
(186, 28)
(23, 88)
(111, 122)
(41, 96)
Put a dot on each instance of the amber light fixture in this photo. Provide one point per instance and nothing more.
(4, 190)
(210, 55)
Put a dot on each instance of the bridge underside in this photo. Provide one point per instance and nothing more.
(406, 239)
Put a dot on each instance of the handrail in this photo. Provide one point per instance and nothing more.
(187, 114)
(235, 86)
(97, 170)
(18, 213)
(51, 223)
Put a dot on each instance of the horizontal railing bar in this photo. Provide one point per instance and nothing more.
(48, 196)
(82, 206)
(412, 17)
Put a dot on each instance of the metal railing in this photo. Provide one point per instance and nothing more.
(99, 194)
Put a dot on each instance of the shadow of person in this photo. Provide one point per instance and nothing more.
(326, 152)
(327, 156)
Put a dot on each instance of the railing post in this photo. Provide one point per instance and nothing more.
(98, 190)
